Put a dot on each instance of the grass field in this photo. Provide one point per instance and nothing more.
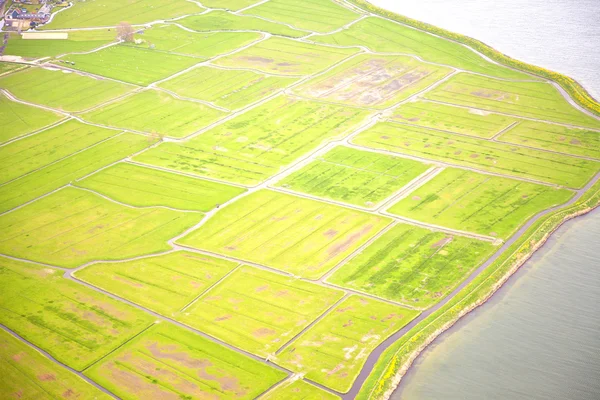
(18, 119)
(168, 362)
(6, 67)
(78, 41)
(144, 187)
(412, 265)
(298, 390)
(257, 310)
(233, 5)
(234, 153)
(452, 119)
(164, 284)
(155, 112)
(73, 226)
(579, 142)
(528, 99)
(480, 154)
(373, 81)
(66, 91)
(485, 204)
(286, 57)
(300, 236)
(333, 350)
(74, 324)
(27, 374)
(232, 89)
(353, 176)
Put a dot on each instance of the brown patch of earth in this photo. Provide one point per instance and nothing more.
(344, 309)
(442, 242)
(257, 60)
(17, 357)
(223, 318)
(575, 141)
(416, 198)
(127, 281)
(334, 250)
(474, 156)
(68, 393)
(263, 332)
(46, 377)
(261, 288)
(330, 233)
(349, 323)
(458, 152)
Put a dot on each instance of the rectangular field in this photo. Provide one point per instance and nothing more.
(258, 311)
(282, 130)
(75, 324)
(73, 226)
(412, 265)
(480, 154)
(373, 81)
(298, 389)
(484, 204)
(18, 119)
(78, 41)
(353, 176)
(233, 5)
(333, 351)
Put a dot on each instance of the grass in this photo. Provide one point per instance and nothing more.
(233, 5)
(412, 265)
(164, 283)
(18, 119)
(353, 176)
(71, 227)
(286, 57)
(373, 81)
(232, 89)
(258, 311)
(145, 187)
(527, 99)
(333, 350)
(234, 153)
(156, 112)
(61, 90)
(484, 204)
(480, 154)
(78, 41)
(300, 236)
(74, 324)
(7, 67)
(297, 389)
(452, 119)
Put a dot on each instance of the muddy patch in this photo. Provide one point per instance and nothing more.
(330, 233)
(47, 377)
(575, 141)
(223, 318)
(442, 242)
(263, 332)
(257, 60)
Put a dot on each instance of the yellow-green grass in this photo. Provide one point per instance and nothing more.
(78, 41)
(480, 154)
(36, 151)
(169, 362)
(452, 119)
(27, 374)
(233, 5)
(232, 89)
(137, 65)
(538, 100)
(354, 176)
(313, 15)
(255, 145)
(333, 350)
(91, 13)
(164, 283)
(7, 67)
(61, 90)
(73, 323)
(484, 204)
(224, 21)
(389, 37)
(580, 142)
(258, 311)
(53, 176)
(18, 119)
(145, 187)
(156, 112)
(300, 236)
(412, 265)
(72, 226)
(286, 57)
(297, 389)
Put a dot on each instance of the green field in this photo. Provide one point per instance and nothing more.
(234, 153)
(298, 390)
(232, 89)
(484, 204)
(76, 325)
(145, 187)
(373, 81)
(78, 41)
(7, 67)
(18, 119)
(73, 226)
(412, 265)
(258, 311)
(452, 119)
(164, 284)
(286, 57)
(168, 362)
(155, 112)
(61, 90)
(480, 154)
(300, 236)
(333, 350)
(233, 5)
(353, 176)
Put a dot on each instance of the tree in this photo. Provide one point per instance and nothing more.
(125, 31)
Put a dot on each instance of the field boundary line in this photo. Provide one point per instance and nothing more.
(503, 131)
(357, 292)
(45, 128)
(410, 187)
(205, 291)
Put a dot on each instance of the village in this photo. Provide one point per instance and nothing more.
(21, 15)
